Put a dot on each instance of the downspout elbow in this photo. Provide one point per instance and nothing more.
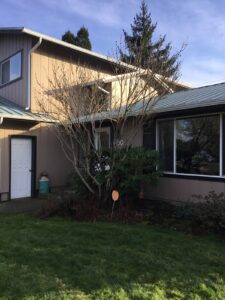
(29, 73)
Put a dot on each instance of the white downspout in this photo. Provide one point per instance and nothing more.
(29, 73)
(1, 120)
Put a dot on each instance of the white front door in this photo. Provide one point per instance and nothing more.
(21, 164)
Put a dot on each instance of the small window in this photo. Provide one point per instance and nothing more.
(11, 68)
(102, 138)
(166, 144)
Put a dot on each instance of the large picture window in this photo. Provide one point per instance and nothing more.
(197, 145)
(192, 145)
(10, 69)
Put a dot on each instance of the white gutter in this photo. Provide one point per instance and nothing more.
(29, 73)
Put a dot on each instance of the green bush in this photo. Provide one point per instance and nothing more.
(204, 214)
(132, 167)
(75, 183)
(123, 169)
(209, 211)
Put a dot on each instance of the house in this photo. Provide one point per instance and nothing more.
(28, 145)
(188, 129)
(186, 125)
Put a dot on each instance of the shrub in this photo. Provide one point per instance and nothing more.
(204, 214)
(209, 212)
(123, 169)
(75, 184)
(132, 167)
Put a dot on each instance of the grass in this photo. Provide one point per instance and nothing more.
(58, 259)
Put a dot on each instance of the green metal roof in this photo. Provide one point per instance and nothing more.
(210, 95)
(10, 110)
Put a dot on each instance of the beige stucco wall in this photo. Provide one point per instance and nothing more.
(126, 90)
(9, 45)
(180, 189)
(50, 157)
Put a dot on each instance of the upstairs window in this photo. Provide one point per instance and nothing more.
(11, 68)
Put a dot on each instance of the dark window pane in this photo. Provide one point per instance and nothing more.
(166, 144)
(104, 140)
(197, 142)
(149, 135)
(223, 144)
(5, 72)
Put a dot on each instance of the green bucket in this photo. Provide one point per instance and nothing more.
(43, 185)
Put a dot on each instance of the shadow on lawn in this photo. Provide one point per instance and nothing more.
(43, 259)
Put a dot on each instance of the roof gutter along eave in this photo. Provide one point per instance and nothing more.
(74, 47)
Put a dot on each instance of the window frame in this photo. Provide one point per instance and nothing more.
(21, 68)
(174, 173)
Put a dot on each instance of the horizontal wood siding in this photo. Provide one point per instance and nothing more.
(10, 44)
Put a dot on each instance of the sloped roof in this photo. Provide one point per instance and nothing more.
(210, 95)
(10, 110)
(64, 44)
(206, 96)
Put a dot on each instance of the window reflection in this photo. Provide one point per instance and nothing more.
(197, 141)
(10, 69)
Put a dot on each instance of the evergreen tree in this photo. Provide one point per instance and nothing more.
(69, 37)
(82, 38)
(142, 49)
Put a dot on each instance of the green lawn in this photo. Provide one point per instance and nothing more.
(58, 259)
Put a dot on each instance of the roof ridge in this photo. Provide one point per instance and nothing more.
(208, 85)
(191, 89)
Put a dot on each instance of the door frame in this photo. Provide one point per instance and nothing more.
(33, 160)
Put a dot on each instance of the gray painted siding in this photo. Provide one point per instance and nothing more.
(10, 44)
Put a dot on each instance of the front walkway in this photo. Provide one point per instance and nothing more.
(24, 205)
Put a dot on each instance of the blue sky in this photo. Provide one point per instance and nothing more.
(198, 23)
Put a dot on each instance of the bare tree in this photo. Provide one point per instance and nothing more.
(83, 102)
